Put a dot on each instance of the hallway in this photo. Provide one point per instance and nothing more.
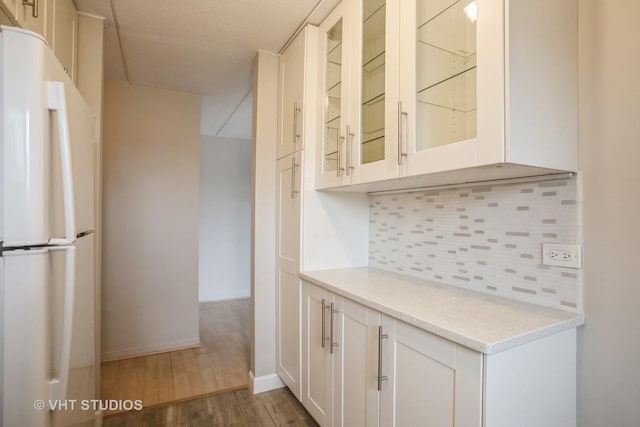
(221, 363)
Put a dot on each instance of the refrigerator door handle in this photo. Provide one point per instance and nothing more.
(57, 102)
(58, 385)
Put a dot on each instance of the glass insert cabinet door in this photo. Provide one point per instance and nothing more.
(373, 81)
(333, 102)
(446, 96)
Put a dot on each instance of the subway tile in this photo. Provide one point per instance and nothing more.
(408, 230)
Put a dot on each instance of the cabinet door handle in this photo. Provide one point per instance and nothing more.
(296, 110)
(401, 113)
(381, 336)
(293, 178)
(331, 342)
(350, 136)
(324, 308)
(339, 157)
(33, 4)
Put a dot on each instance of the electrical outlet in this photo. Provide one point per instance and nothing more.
(561, 255)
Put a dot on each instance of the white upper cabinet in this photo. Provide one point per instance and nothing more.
(438, 86)
(375, 85)
(34, 16)
(55, 20)
(455, 91)
(335, 153)
(31, 16)
(495, 82)
(13, 9)
(358, 47)
(62, 34)
(295, 74)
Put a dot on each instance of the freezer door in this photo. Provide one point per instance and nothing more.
(26, 343)
(47, 146)
(82, 363)
(49, 338)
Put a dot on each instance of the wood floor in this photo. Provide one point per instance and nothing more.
(236, 408)
(220, 364)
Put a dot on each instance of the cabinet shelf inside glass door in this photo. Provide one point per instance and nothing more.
(446, 73)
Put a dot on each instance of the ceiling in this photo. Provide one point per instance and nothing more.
(200, 46)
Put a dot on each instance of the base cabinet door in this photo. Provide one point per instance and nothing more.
(431, 381)
(288, 318)
(317, 357)
(355, 386)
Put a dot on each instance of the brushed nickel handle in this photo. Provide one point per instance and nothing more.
(324, 308)
(296, 110)
(293, 178)
(401, 113)
(331, 343)
(350, 136)
(381, 336)
(338, 157)
(33, 4)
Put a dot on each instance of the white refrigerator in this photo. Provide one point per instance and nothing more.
(47, 295)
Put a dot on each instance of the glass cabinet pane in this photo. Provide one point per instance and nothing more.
(373, 72)
(446, 72)
(333, 96)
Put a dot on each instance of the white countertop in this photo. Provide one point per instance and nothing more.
(482, 322)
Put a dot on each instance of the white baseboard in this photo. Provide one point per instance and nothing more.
(149, 349)
(264, 383)
(225, 299)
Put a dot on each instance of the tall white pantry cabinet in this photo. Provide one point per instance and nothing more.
(294, 78)
(314, 230)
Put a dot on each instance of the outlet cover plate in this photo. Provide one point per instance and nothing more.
(562, 255)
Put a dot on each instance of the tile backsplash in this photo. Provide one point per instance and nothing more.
(487, 239)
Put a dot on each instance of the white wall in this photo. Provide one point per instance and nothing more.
(263, 223)
(150, 219)
(218, 120)
(225, 218)
(609, 135)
